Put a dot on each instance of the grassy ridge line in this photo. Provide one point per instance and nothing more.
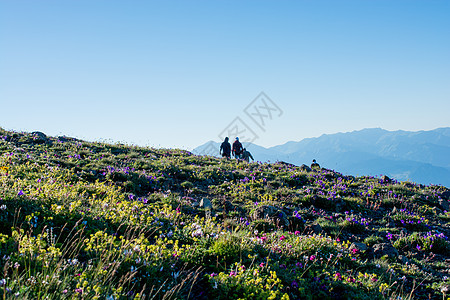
(101, 221)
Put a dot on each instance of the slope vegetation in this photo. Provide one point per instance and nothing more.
(81, 220)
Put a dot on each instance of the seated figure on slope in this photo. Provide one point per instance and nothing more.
(315, 165)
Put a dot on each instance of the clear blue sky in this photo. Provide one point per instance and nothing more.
(176, 73)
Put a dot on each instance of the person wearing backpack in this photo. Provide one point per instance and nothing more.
(225, 148)
(237, 149)
(315, 165)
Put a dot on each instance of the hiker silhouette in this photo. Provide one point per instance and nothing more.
(225, 148)
(247, 155)
(237, 149)
(315, 165)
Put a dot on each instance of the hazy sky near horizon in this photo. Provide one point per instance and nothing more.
(178, 73)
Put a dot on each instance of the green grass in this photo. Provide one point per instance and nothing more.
(81, 220)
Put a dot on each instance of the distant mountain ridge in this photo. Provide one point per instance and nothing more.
(418, 156)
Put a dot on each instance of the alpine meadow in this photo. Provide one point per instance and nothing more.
(91, 220)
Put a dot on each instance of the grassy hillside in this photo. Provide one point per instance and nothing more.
(82, 220)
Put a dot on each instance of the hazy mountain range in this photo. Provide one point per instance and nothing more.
(420, 156)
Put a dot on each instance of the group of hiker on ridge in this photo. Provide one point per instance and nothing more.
(238, 151)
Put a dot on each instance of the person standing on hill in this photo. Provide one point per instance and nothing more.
(237, 149)
(225, 149)
(315, 165)
(247, 155)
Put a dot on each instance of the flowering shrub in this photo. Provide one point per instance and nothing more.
(411, 220)
(435, 242)
(243, 283)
